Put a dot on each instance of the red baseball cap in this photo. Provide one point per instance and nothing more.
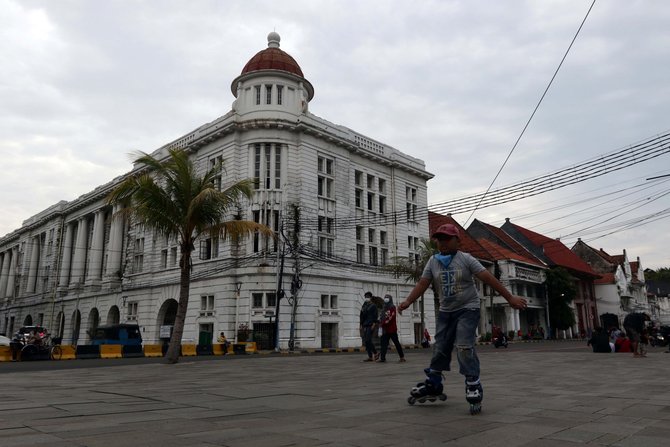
(447, 229)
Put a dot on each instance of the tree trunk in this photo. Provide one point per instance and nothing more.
(174, 350)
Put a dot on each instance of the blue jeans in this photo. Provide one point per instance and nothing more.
(367, 339)
(456, 328)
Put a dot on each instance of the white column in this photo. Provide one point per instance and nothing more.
(12, 272)
(34, 264)
(67, 257)
(79, 258)
(509, 316)
(115, 245)
(4, 272)
(97, 245)
(517, 320)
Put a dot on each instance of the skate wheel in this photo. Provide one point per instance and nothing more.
(422, 400)
(411, 400)
(442, 397)
(475, 408)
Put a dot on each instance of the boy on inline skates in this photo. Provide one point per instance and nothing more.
(452, 274)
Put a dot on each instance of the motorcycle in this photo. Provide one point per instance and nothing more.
(500, 341)
(657, 340)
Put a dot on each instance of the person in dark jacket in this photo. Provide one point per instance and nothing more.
(368, 324)
(634, 324)
(390, 327)
(600, 341)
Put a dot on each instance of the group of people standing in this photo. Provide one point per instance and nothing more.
(372, 320)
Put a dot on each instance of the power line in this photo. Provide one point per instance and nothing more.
(534, 110)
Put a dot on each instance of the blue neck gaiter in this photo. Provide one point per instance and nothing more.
(444, 259)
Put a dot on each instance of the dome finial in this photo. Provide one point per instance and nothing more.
(273, 40)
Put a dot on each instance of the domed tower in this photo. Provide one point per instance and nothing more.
(271, 82)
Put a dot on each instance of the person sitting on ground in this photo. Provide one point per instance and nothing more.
(600, 341)
(622, 344)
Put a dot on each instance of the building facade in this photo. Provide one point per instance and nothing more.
(342, 206)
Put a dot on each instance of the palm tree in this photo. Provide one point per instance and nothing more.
(412, 270)
(169, 197)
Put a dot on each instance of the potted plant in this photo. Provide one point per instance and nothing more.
(243, 332)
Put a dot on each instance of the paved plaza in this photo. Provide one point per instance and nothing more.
(543, 394)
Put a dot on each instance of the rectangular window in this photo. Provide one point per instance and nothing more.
(382, 186)
(326, 246)
(360, 253)
(256, 238)
(164, 258)
(206, 303)
(213, 164)
(174, 256)
(382, 237)
(267, 165)
(384, 259)
(371, 236)
(138, 259)
(359, 198)
(325, 181)
(371, 201)
(261, 300)
(258, 94)
(410, 195)
(382, 204)
(280, 93)
(359, 233)
(328, 301)
(373, 255)
(268, 171)
(268, 94)
(257, 166)
(371, 181)
(325, 187)
(257, 300)
(206, 249)
(358, 178)
(132, 311)
(277, 166)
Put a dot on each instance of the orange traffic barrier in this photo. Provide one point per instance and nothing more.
(68, 352)
(153, 350)
(218, 349)
(111, 351)
(188, 350)
(5, 354)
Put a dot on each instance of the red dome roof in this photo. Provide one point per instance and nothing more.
(273, 59)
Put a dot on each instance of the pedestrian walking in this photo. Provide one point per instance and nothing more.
(369, 319)
(390, 327)
(452, 274)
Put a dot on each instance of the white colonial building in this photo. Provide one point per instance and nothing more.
(342, 204)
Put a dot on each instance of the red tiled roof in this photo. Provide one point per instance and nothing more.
(273, 59)
(558, 253)
(468, 243)
(516, 247)
(605, 278)
(500, 253)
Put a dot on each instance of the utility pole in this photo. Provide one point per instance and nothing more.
(296, 282)
(279, 293)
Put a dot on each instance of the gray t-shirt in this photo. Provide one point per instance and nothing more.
(455, 285)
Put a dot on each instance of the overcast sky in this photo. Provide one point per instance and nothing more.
(84, 83)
